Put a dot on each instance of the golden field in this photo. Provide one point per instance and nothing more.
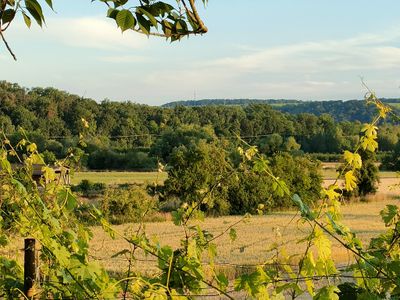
(255, 236)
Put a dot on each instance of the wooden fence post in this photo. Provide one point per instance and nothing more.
(29, 267)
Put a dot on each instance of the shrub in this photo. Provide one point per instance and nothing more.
(89, 189)
(106, 159)
(127, 204)
(49, 157)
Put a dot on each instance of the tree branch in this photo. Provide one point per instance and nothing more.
(203, 27)
(7, 46)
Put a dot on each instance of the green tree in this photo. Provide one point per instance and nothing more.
(368, 175)
(392, 161)
(185, 135)
(148, 17)
(290, 144)
(271, 144)
(198, 176)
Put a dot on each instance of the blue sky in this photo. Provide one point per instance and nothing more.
(297, 49)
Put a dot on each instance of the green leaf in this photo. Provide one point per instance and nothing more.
(3, 240)
(118, 3)
(151, 18)
(35, 10)
(6, 165)
(125, 20)
(289, 286)
(222, 280)
(144, 24)
(390, 214)
(112, 13)
(167, 27)
(68, 199)
(248, 283)
(327, 293)
(8, 16)
(177, 217)
(19, 186)
(50, 3)
(349, 290)
(304, 209)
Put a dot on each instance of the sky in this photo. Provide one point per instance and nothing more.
(286, 49)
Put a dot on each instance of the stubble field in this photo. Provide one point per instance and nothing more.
(256, 236)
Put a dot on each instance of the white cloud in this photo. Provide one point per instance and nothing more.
(326, 69)
(124, 59)
(372, 52)
(95, 32)
(320, 83)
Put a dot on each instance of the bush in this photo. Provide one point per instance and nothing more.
(106, 159)
(326, 157)
(89, 189)
(49, 157)
(127, 204)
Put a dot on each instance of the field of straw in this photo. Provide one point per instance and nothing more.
(255, 237)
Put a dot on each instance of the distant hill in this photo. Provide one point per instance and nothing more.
(340, 110)
(205, 102)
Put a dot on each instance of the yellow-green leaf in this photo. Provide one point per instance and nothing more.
(350, 181)
(353, 159)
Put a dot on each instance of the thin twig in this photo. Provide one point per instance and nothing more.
(7, 46)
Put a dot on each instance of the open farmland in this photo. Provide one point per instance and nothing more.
(255, 237)
(113, 177)
(254, 243)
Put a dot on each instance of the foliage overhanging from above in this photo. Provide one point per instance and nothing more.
(170, 20)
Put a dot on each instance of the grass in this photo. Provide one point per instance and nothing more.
(113, 177)
(331, 174)
(395, 105)
(329, 171)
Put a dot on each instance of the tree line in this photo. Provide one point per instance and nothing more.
(127, 135)
(340, 110)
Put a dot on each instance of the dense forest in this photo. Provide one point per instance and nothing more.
(350, 110)
(126, 135)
